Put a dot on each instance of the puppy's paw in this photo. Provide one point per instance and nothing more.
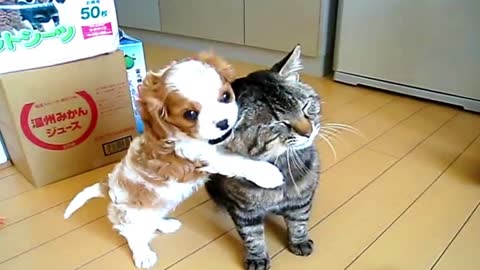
(169, 225)
(257, 264)
(302, 249)
(266, 175)
(145, 260)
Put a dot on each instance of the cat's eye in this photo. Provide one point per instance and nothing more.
(226, 97)
(310, 109)
(191, 115)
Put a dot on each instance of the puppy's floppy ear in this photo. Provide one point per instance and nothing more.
(151, 106)
(221, 66)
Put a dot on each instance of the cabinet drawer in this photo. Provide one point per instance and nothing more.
(141, 14)
(220, 20)
(281, 24)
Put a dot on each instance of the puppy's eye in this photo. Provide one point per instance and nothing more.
(191, 115)
(226, 97)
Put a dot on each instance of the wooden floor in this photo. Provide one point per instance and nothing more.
(403, 196)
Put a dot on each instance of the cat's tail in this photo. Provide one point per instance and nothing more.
(98, 190)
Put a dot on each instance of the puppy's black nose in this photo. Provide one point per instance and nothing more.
(222, 125)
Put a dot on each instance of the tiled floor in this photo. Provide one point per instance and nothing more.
(403, 196)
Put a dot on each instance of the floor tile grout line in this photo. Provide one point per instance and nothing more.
(367, 94)
(455, 236)
(40, 188)
(18, 194)
(31, 216)
(373, 111)
(376, 178)
(409, 206)
(200, 248)
(364, 145)
(80, 227)
(44, 243)
(367, 146)
(8, 175)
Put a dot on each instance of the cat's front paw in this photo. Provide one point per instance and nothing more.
(302, 249)
(257, 264)
(267, 176)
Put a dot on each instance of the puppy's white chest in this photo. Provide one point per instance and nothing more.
(174, 192)
(194, 150)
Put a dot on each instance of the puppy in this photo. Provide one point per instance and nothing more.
(188, 110)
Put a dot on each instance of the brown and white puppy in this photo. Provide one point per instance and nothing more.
(188, 109)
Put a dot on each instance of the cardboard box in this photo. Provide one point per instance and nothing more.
(63, 120)
(40, 33)
(136, 70)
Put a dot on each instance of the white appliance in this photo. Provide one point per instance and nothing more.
(425, 48)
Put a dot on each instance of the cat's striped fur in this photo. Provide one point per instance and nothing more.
(273, 103)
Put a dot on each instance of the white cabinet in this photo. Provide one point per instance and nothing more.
(429, 49)
(270, 24)
(141, 14)
(220, 20)
(281, 24)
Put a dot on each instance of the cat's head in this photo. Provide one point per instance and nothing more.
(277, 98)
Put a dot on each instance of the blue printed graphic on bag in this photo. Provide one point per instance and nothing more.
(136, 70)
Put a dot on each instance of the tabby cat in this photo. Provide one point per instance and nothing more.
(278, 122)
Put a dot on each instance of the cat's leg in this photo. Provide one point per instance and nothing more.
(297, 218)
(251, 230)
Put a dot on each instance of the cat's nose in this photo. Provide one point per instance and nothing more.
(222, 125)
(302, 127)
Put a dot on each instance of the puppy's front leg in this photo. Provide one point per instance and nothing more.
(138, 239)
(261, 173)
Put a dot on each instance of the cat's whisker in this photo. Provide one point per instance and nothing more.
(335, 134)
(295, 161)
(276, 159)
(344, 126)
(330, 145)
(302, 166)
(290, 171)
(331, 134)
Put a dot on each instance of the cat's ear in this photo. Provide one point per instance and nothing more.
(290, 66)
